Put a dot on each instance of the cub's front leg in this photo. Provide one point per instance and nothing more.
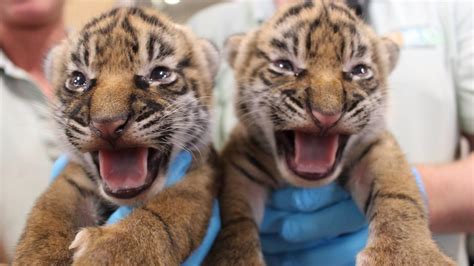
(383, 186)
(238, 241)
(162, 232)
(68, 204)
(242, 197)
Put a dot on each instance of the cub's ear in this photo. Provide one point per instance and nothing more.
(391, 44)
(51, 64)
(212, 55)
(231, 47)
(48, 63)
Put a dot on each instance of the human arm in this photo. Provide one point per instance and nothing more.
(450, 189)
(449, 186)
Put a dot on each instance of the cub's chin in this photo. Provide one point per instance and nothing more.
(309, 159)
(130, 175)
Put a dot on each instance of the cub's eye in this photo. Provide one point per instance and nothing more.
(77, 81)
(361, 72)
(162, 74)
(283, 65)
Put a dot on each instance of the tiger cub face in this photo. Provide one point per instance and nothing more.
(312, 82)
(132, 89)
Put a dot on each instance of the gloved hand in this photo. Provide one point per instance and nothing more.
(304, 226)
(314, 226)
(176, 171)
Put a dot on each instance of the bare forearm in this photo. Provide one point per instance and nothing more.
(3, 254)
(450, 189)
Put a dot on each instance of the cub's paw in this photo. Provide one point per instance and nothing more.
(107, 245)
(403, 255)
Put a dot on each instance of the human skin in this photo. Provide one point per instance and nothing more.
(450, 193)
(28, 29)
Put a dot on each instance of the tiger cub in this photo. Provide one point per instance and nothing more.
(311, 99)
(132, 90)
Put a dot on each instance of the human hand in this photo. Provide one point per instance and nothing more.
(302, 226)
(323, 224)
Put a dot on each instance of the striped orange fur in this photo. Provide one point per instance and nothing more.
(131, 88)
(311, 99)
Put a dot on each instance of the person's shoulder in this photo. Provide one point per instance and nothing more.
(219, 21)
(221, 11)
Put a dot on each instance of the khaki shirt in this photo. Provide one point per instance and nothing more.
(27, 149)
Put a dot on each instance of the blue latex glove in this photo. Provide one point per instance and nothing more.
(58, 166)
(177, 170)
(320, 226)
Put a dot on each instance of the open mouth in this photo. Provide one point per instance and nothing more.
(309, 155)
(126, 173)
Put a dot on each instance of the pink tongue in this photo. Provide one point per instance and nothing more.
(123, 169)
(314, 154)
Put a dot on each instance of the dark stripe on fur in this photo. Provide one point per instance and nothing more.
(361, 51)
(166, 227)
(264, 80)
(262, 54)
(149, 124)
(403, 197)
(294, 11)
(251, 159)
(343, 10)
(165, 50)
(144, 115)
(247, 174)
(150, 46)
(358, 111)
(372, 217)
(369, 198)
(347, 171)
(274, 72)
(184, 63)
(150, 19)
(75, 59)
(126, 26)
(83, 192)
(238, 221)
(280, 45)
(311, 29)
(366, 151)
(104, 16)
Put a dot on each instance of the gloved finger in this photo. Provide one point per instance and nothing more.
(272, 220)
(343, 217)
(307, 199)
(119, 214)
(58, 166)
(198, 255)
(275, 244)
(178, 167)
(341, 251)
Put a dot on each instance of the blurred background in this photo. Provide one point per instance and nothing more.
(179, 10)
